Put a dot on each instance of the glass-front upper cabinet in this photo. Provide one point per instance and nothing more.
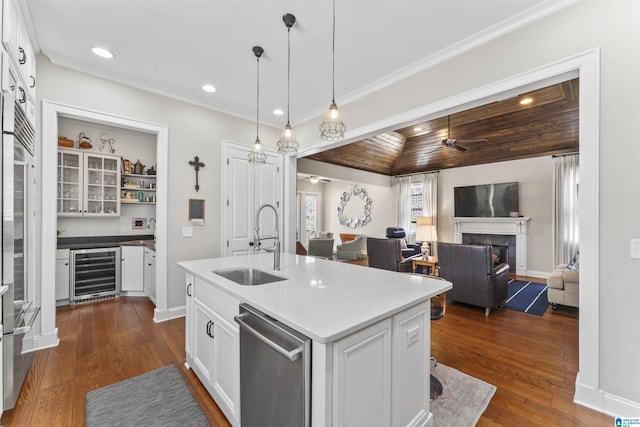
(88, 184)
(69, 185)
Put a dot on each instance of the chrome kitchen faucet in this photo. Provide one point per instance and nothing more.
(276, 247)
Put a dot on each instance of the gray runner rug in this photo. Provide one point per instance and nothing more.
(157, 398)
(464, 398)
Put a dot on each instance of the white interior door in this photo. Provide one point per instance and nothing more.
(246, 187)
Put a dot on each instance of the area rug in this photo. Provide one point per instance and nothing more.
(528, 297)
(157, 398)
(463, 400)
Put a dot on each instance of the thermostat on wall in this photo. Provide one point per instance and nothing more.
(138, 223)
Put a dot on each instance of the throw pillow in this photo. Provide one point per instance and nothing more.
(574, 264)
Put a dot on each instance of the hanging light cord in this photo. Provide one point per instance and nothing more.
(333, 52)
(288, 72)
(257, 95)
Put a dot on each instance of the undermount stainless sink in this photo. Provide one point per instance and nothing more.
(248, 276)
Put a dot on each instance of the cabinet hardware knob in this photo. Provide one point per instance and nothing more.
(23, 56)
(189, 289)
(33, 81)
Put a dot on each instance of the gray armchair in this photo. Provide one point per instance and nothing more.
(321, 247)
(399, 234)
(475, 279)
(387, 255)
(352, 249)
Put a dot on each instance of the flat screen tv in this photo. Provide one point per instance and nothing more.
(488, 200)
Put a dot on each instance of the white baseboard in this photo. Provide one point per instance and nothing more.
(607, 403)
(620, 407)
(41, 342)
(538, 274)
(168, 314)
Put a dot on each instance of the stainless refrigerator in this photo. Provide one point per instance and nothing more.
(19, 310)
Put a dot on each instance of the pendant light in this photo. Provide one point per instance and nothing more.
(332, 129)
(257, 155)
(287, 143)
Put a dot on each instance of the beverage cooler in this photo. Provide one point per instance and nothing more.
(95, 274)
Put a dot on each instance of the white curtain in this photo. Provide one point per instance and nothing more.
(430, 196)
(565, 208)
(403, 213)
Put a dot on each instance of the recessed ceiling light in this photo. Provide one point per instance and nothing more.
(208, 88)
(417, 128)
(102, 52)
(278, 112)
(526, 101)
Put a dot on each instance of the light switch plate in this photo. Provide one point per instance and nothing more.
(635, 248)
(187, 231)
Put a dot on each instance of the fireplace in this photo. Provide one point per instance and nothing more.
(502, 245)
(509, 232)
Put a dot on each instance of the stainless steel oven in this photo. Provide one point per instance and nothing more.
(19, 310)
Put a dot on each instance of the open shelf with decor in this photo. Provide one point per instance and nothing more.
(138, 189)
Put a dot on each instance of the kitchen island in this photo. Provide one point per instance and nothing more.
(369, 332)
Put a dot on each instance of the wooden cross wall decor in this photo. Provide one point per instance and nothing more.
(197, 164)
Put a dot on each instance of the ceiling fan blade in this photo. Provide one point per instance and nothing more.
(459, 147)
(473, 141)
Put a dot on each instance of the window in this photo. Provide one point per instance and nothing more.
(417, 197)
(308, 213)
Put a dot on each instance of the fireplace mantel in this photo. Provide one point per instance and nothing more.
(512, 226)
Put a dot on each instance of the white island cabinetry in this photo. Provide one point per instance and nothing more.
(369, 333)
(212, 344)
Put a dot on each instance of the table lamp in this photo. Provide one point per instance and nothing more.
(425, 233)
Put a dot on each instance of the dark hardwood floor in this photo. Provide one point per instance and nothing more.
(532, 360)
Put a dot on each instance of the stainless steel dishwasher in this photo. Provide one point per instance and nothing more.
(275, 372)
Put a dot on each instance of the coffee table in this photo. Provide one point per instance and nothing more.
(430, 263)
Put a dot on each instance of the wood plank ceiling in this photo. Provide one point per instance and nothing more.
(496, 132)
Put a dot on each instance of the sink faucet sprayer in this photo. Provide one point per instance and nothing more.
(276, 247)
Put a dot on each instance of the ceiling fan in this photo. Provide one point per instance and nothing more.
(314, 179)
(455, 143)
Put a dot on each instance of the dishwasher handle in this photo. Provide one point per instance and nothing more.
(292, 355)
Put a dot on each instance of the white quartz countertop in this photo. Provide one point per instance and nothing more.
(324, 300)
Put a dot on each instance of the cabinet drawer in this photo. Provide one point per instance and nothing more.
(225, 305)
(131, 251)
(62, 254)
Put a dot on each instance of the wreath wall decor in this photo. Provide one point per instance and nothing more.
(363, 219)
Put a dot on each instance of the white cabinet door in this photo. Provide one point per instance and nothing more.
(150, 274)
(132, 271)
(362, 378)
(411, 365)
(202, 342)
(188, 324)
(246, 188)
(226, 366)
(62, 274)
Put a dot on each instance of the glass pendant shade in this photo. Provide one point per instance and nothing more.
(257, 156)
(332, 129)
(287, 143)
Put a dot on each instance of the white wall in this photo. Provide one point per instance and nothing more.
(535, 178)
(381, 216)
(193, 131)
(378, 187)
